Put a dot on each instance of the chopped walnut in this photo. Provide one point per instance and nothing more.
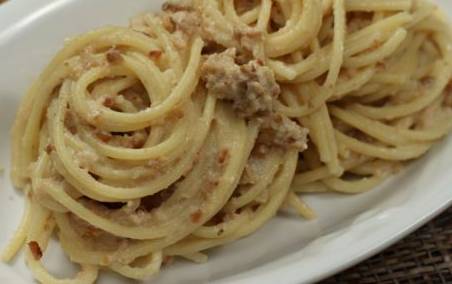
(196, 216)
(155, 54)
(251, 172)
(223, 156)
(91, 232)
(104, 136)
(167, 22)
(250, 87)
(176, 114)
(167, 260)
(35, 250)
(70, 122)
(279, 130)
(448, 95)
(109, 102)
(86, 158)
(250, 40)
(177, 5)
(85, 61)
(49, 148)
(186, 21)
(113, 56)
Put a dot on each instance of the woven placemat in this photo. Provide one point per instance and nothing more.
(425, 256)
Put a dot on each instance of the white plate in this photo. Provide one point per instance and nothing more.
(287, 250)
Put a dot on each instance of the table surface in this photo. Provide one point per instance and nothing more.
(425, 256)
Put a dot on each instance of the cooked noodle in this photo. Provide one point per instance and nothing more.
(188, 130)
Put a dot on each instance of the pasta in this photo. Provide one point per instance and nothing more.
(194, 126)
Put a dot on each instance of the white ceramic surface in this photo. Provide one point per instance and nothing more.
(286, 250)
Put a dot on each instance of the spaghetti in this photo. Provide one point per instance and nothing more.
(188, 129)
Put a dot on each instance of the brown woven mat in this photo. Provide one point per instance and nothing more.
(425, 256)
